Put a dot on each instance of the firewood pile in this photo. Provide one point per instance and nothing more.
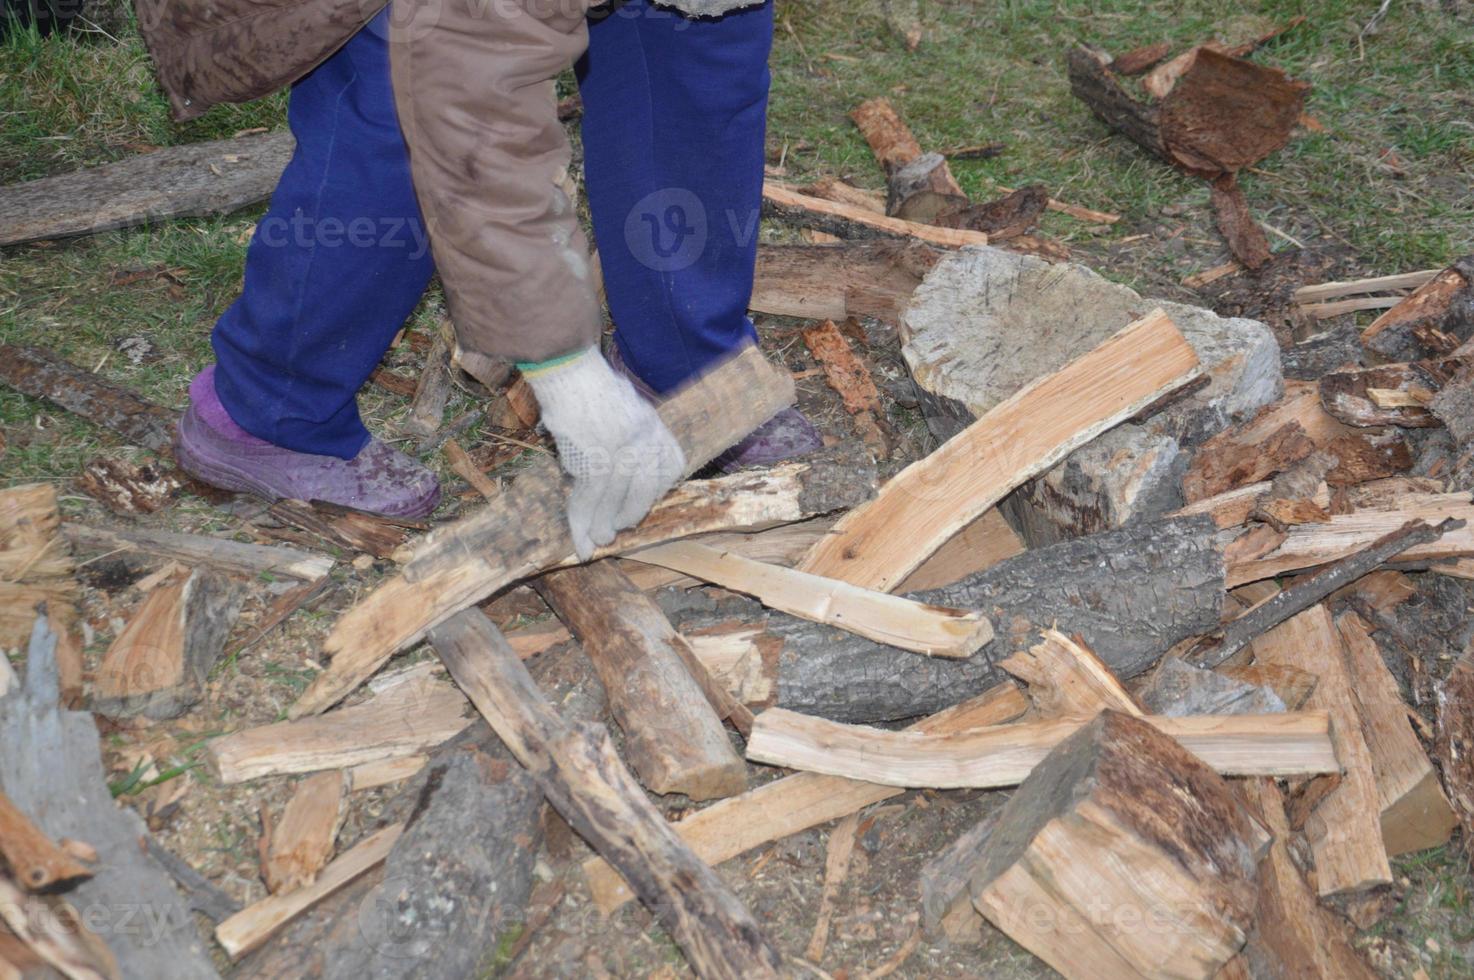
(1144, 583)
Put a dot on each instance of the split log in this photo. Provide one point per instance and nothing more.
(849, 221)
(53, 930)
(39, 373)
(58, 781)
(586, 783)
(1309, 545)
(525, 530)
(935, 631)
(1432, 322)
(1067, 679)
(196, 549)
(1289, 744)
(834, 282)
(1176, 688)
(33, 859)
(795, 803)
(1293, 935)
(303, 838)
(1118, 788)
(1415, 814)
(936, 497)
(216, 177)
(1376, 284)
(427, 409)
(418, 713)
(254, 924)
(1131, 593)
(1344, 830)
(158, 665)
(1391, 394)
(674, 740)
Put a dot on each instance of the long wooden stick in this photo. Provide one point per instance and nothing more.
(1290, 744)
(586, 783)
(1332, 290)
(525, 530)
(936, 631)
(880, 543)
(833, 214)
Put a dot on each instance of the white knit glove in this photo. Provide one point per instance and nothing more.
(610, 440)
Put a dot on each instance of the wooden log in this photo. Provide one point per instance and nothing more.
(795, 803)
(1344, 830)
(1066, 679)
(55, 931)
(215, 177)
(1086, 853)
(936, 497)
(1131, 593)
(586, 783)
(35, 862)
(831, 189)
(1309, 545)
(889, 138)
(833, 282)
(1293, 935)
(525, 531)
(418, 713)
(1415, 814)
(254, 924)
(197, 549)
(936, 631)
(303, 838)
(39, 373)
(1289, 744)
(674, 740)
(925, 176)
(158, 665)
(58, 780)
(1434, 320)
(849, 221)
(1389, 394)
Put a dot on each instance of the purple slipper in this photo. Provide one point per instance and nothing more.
(787, 435)
(210, 446)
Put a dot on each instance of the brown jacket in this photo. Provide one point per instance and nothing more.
(474, 90)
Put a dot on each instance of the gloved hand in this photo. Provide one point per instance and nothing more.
(610, 440)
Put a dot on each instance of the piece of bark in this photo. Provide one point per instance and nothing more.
(55, 931)
(525, 530)
(862, 279)
(1434, 320)
(1121, 788)
(1453, 743)
(1177, 688)
(584, 780)
(836, 866)
(1344, 830)
(35, 862)
(1415, 813)
(203, 896)
(418, 713)
(1141, 59)
(1310, 545)
(1293, 935)
(797, 802)
(923, 628)
(158, 665)
(303, 838)
(1359, 396)
(848, 221)
(981, 545)
(254, 924)
(1246, 240)
(130, 488)
(1287, 744)
(59, 782)
(888, 136)
(674, 740)
(39, 373)
(432, 393)
(845, 372)
(939, 495)
(1066, 679)
(1004, 219)
(343, 527)
(215, 177)
(196, 549)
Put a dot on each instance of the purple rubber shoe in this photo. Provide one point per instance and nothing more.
(210, 446)
(787, 435)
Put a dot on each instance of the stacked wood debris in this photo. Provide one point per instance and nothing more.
(1142, 580)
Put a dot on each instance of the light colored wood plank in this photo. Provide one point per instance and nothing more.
(981, 545)
(789, 198)
(879, 543)
(303, 838)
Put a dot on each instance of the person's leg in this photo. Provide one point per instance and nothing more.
(335, 267)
